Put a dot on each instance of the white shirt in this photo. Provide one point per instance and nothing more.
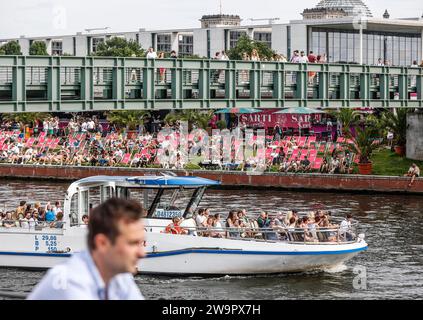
(24, 223)
(200, 220)
(79, 279)
(345, 225)
(152, 55)
(56, 210)
(303, 59)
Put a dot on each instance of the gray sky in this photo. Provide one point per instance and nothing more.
(61, 17)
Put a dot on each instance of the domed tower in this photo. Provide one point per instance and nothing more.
(331, 9)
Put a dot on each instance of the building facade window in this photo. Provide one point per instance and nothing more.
(344, 46)
(234, 37)
(95, 44)
(186, 45)
(164, 43)
(264, 37)
(56, 48)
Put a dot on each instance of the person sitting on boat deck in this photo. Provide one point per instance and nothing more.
(42, 214)
(57, 208)
(217, 225)
(280, 219)
(105, 271)
(272, 235)
(230, 223)
(246, 223)
(58, 223)
(413, 172)
(345, 228)
(201, 218)
(21, 208)
(263, 222)
(211, 232)
(292, 225)
(327, 230)
(85, 219)
(27, 221)
(8, 221)
(242, 216)
(175, 228)
(312, 227)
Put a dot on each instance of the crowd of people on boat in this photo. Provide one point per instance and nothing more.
(315, 226)
(33, 215)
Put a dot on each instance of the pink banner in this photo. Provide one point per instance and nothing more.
(268, 119)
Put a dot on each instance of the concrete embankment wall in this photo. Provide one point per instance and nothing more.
(231, 179)
(415, 136)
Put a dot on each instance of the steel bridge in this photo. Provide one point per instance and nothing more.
(73, 84)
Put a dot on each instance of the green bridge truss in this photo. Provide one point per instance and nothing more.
(52, 84)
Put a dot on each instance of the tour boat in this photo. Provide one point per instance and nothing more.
(166, 196)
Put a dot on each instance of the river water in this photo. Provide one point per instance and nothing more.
(393, 265)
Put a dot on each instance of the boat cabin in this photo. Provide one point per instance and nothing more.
(163, 197)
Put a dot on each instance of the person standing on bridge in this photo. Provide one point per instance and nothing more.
(104, 271)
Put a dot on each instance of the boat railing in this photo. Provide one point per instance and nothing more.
(333, 235)
(20, 226)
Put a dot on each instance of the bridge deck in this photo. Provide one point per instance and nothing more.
(49, 84)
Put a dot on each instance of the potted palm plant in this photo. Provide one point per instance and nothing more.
(200, 119)
(365, 141)
(128, 119)
(396, 122)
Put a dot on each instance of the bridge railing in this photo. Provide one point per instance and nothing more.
(31, 83)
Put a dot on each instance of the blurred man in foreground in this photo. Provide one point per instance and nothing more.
(105, 271)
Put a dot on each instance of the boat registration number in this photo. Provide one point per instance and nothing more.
(167, 214)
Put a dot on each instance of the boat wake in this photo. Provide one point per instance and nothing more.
(336, 269)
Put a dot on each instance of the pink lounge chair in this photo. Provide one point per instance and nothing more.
(302, 142)
(317, 164)
(30, 142)
(311, 140)
(126, 158)
(294, 155)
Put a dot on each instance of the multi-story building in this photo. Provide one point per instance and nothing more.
(344, 30)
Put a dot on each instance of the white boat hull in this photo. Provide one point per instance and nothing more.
(185, 255)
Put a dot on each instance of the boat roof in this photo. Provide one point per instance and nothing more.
(163, 180)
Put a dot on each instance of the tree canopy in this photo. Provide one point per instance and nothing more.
(38, 48)
(119, 47)
(245, 44)
(12, 48)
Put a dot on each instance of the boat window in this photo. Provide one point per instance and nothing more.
(122, 193)
(143, 196)
(173, 203)
(74, 210)
(83, 203)
(106, 193)
(95, 197)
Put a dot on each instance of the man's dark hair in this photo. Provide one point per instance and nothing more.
(104, 218)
